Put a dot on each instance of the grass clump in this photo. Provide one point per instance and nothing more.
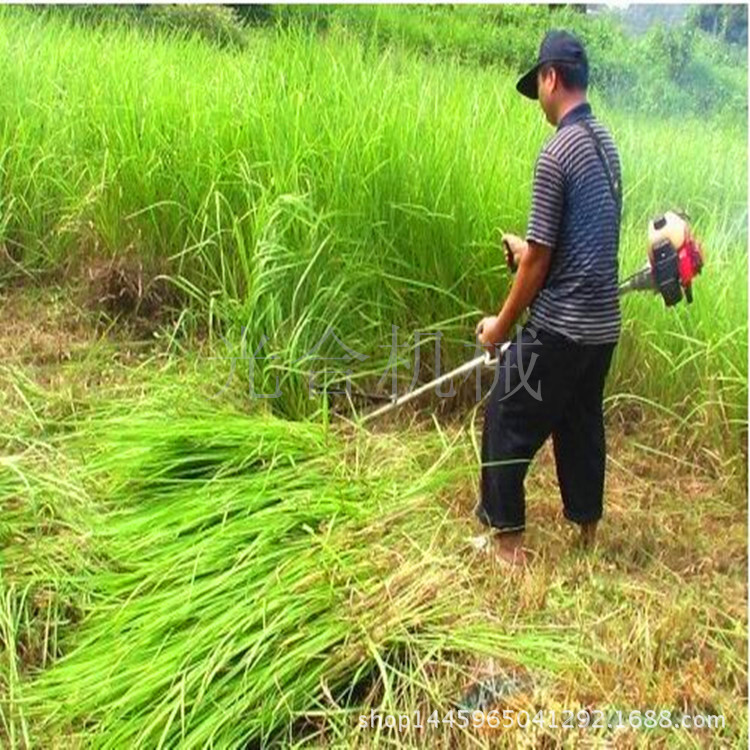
(43, 560)
(216, 24)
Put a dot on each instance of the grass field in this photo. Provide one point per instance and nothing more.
(183, 565)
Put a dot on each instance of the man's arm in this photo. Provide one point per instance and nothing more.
(532, 271)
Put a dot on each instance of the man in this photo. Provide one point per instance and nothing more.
(567, 275)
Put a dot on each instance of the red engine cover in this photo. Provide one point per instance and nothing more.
(690, 261)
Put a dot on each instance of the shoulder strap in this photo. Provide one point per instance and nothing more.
(614, 184)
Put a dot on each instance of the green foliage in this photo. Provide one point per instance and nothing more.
(674, 69)
(253, 14)
(623, 68)
(670, 49)
(311, 15)
(679, 73)
(95, 15)
(216, 24)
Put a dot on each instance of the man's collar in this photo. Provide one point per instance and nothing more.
(579, 112)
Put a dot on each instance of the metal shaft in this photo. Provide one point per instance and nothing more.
(640, 281)
(484, 359)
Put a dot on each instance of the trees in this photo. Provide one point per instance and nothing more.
(726, 21)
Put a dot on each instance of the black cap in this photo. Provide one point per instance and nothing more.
(557, 46)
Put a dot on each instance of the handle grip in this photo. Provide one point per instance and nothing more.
(509, 259)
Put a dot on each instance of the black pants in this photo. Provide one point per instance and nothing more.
(545, 385)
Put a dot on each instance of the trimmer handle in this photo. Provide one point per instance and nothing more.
(509, 259)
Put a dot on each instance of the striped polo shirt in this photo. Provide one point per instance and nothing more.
(574, 213)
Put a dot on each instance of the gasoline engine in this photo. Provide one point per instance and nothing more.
(674, 260)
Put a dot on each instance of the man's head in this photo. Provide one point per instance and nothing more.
(560, 77)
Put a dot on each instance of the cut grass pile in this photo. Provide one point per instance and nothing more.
(243, 572)
(44, 507)
(175, 571)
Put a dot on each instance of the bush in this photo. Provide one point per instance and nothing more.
(726, 21)
(217, 24)
(214, 23)
(255, 14)
(669, 50)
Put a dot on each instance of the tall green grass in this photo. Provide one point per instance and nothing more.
(314, 182)
(668, 70)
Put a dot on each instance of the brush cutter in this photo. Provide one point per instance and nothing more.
(674, 260)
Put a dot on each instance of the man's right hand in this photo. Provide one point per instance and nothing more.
(489, 333)
(514, 249)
